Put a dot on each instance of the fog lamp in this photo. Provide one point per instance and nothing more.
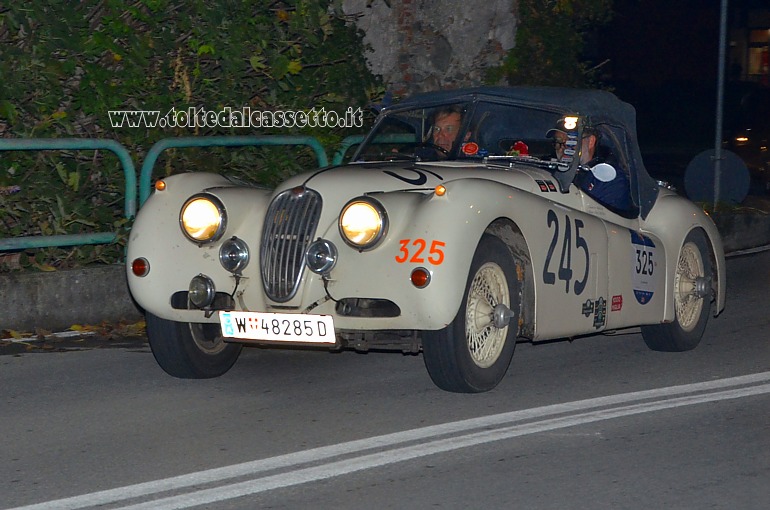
(321, 256)
(201, 291)
(234, 255)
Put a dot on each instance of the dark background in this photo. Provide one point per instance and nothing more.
(662, 57)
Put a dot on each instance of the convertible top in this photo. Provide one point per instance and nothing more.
(598, 106)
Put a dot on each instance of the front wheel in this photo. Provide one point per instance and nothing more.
(473, 352)
(692, 297)
(190, 350)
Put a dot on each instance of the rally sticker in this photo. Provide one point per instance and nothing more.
(599, 310)
(470, 148)
(645, 261)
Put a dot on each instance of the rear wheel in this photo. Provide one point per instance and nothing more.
(692, 297)
(473, 352)
(190, 350)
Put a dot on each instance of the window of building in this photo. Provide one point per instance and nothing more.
(759, 57)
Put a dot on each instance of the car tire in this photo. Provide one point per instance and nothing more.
(472, 356)
(190, 350)
(692, 307)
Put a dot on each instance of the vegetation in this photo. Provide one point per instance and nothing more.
(65, 65)
(550, 43)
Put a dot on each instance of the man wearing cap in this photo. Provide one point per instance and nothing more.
(597, 177)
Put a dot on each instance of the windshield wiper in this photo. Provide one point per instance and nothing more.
(508, 161)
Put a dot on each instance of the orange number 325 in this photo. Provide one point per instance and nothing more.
(413, 250)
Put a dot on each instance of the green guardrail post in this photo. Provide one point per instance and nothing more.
(346, 143)
(145, 175)
(37, 144)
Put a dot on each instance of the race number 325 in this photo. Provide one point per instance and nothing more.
(418, 251)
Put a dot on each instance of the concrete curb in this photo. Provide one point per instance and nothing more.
(743, 231)
(55, 301)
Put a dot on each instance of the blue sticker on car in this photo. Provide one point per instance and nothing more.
(643, 268)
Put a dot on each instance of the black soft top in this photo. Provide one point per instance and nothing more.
(598, 106)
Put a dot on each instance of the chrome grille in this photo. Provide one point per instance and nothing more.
(289, 228)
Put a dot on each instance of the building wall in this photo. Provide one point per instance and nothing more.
(420, 45)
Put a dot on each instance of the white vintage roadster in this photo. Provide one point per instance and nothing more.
(453, 252)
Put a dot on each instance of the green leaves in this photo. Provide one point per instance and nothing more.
(64, 66)
(549, 42)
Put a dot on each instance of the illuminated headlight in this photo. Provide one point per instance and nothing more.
(203, 218)
(201, 291)
(234, 255)
(321, 256)
(363, 222)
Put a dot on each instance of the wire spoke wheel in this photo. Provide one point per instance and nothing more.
(688, 303)
(488, 289)
(690, 289)
(208, 338)
(190, 350)
(473, 352)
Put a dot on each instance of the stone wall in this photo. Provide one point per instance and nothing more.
(419, 45)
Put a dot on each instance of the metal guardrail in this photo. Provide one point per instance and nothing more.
(35, 144)
(145, 176)
(346, 143)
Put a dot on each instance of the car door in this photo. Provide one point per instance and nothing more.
(571, 276)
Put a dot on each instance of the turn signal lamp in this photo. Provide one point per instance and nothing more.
(160, 185)
(140, 267)
(420, 277)
(440, 190)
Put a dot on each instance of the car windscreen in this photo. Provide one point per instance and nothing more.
(483, 128)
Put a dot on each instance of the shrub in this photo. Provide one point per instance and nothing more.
(64, 65)
(550, 43)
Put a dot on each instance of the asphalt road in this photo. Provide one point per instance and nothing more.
(600, 422)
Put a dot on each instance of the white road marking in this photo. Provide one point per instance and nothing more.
(411, 444)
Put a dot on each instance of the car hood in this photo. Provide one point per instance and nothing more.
(360, 178)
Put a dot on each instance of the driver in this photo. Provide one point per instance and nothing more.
(446, 126)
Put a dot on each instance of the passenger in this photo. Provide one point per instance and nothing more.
(597, 174)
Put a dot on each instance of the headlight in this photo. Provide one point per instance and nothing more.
(234, 255)
(203, 218)
(363, 222)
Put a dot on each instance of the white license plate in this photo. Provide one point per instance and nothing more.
(278, 327)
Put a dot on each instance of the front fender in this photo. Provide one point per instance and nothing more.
(438, 233)
(174, 260)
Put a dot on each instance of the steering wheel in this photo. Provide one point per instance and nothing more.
(430, 145)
